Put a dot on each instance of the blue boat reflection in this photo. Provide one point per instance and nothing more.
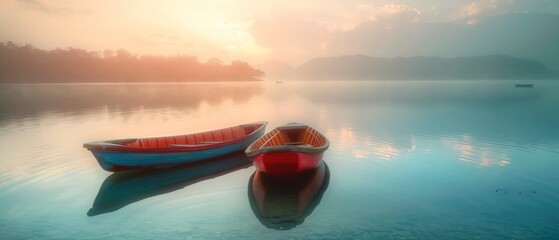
(123, 188)
(281, 203)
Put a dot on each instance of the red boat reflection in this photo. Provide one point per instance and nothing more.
(281, 203)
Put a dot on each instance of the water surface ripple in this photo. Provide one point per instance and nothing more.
(408, 160)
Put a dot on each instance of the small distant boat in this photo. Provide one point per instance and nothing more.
(524, 85)
(157, 152)
(282, 204)
(123, 188)
(288, 150)
(279, 82)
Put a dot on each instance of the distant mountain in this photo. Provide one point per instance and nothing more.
(366, 67)
(523, 34)
(276, 69)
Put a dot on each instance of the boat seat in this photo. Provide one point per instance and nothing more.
(238, 132)
(194, 140)
(189, 145)
(149, 143)
(310, 137)
(283, 139)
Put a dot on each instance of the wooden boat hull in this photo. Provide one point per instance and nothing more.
(286, 163)
(282, 204)
(118, 161)
(120, 158)
(288, 150)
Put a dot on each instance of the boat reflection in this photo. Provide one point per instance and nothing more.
(123, 188)
(37, 99)
(281, 203)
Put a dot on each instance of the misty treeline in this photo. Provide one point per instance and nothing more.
(28, 64)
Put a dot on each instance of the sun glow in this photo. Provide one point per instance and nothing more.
(255, 31)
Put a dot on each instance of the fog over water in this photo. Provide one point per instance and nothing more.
(408, 159)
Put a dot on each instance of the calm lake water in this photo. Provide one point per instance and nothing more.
(407, 160)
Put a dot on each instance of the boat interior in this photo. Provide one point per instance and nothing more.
(193, 140)
(304, 136)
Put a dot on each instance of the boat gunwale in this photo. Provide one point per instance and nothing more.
(287, 148)
(114, 146)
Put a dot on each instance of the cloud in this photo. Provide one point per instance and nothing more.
(399, 8)
(43, 5)
(474, 11)
(476, 8)
(387, 15)
(46, 6)
(289, 34)
(530, 36)
(313, 34)
(290, 30)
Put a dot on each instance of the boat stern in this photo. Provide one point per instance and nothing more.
(107, 166)
(286, 164)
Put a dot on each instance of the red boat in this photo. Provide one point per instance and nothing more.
(288, 150)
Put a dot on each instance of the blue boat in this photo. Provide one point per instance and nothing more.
(158, 152)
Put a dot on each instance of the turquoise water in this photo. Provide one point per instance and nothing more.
(408, 160)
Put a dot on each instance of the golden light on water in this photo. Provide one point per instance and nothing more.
(478, 153)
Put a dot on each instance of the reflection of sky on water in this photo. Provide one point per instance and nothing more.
(479, 122)
(429, 156)
(363, 147)
(371, 147)
(468, 151)
(16, 100)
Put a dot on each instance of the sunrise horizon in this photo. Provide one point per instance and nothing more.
(294, 33)
(24, 63)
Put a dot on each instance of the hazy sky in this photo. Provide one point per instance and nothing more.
(289, 30)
